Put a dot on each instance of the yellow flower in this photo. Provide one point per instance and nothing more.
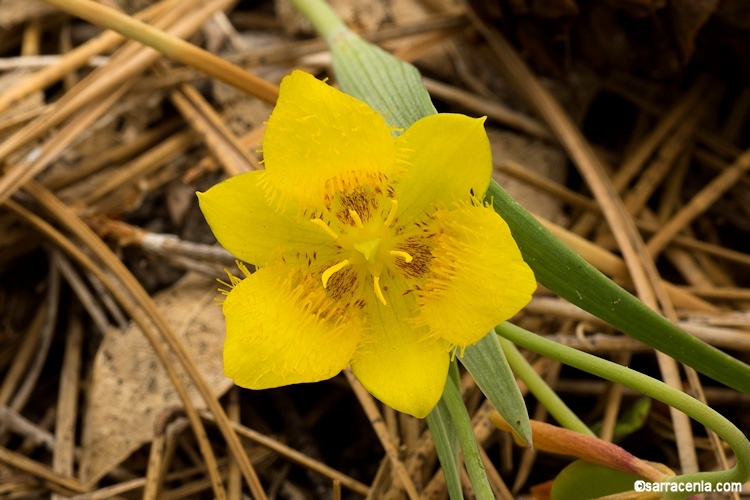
(372, 250)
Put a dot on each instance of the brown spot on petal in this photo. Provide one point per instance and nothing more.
(420, 249)
(344, 285)
(358, 192)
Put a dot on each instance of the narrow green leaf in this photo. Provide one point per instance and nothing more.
(467, 440)
(486, 362)
(446, 444)
(565, 273)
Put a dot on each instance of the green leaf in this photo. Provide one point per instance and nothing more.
(565, 273)
(446, 444)
(472, 458)
(583, 480)
(629, 421)
(486, 362)
(392, 87)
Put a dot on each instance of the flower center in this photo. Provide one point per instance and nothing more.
(368, 245)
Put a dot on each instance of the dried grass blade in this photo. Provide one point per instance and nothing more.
(69, 219)
(74, 59)
(125, 64)
(63, 453)
(38, 159)
(699, 203)
(131, 306)
(170, 46)
(223, 144)
(57, 482)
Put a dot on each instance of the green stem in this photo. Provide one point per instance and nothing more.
(650, 387)
(543, 392)
(323, 18)
(467, 440)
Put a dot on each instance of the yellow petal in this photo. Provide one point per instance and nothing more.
(477, 276)
(319, 139)
(252, 230)
(396, 362)
(279, 333)
(445, 157)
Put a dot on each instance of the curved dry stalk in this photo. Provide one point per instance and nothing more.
(73, 60)
(170, 46)
(69, 219)
(141, 321)
(114, 78)
(56, 481)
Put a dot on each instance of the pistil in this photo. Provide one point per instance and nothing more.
(369, 249)
(367, 244)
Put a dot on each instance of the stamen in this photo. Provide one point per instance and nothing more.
(392, 214)
(357, 220)
(333, 269)
(398, 253)
(378, 291)
(325, 227)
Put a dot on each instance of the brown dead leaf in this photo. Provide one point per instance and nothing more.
(130, 387)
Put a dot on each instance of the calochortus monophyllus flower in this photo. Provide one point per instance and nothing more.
(372, 250)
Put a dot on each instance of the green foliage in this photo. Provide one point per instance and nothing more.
(583, 480)
(486, 362)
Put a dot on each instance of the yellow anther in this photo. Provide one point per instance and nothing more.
(332, 270)
(398, 253)
(368, 248)
(378, 291)
(325, 227)
(355, 217)
(392, 214)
